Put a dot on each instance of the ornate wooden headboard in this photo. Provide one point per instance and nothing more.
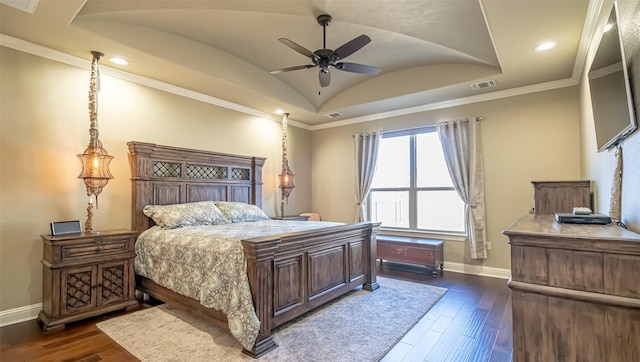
(164, 175)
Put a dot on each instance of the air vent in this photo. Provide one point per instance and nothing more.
(484, 84)
(333, 115)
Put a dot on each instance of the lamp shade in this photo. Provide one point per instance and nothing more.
(286, 179)
(95, 169)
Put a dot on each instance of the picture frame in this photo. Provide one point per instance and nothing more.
(66, 227)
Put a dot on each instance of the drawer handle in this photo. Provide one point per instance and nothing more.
(98, 249)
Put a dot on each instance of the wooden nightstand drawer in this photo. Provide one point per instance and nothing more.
(99, 247)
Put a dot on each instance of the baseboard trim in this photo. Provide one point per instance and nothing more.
(486, 271)
(20, 314)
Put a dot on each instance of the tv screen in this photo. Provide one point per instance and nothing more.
(613, 111)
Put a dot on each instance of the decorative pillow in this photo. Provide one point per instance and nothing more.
(193, 213)
(241, 212)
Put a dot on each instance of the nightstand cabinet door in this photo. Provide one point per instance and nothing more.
(78, 289)
(85, 275)
(114, 280)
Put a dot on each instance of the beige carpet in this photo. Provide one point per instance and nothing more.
(336, 332)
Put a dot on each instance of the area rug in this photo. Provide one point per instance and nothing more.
(361, 326)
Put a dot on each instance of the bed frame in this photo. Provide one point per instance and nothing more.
(289, 274)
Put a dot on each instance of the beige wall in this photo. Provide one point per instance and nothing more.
(45, 124)
(525, 138)
(599, 167)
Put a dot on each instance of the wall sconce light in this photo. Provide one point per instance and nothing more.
(95, 159)
(286, 176)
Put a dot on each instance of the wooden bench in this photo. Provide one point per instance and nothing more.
(427, 252)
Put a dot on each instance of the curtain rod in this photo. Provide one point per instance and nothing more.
(479, 118)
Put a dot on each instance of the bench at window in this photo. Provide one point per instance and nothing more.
(404, 249)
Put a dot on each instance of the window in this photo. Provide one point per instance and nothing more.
(412, 189)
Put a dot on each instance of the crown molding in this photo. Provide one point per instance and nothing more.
(38, 50)
(48, 53)
(541, 87)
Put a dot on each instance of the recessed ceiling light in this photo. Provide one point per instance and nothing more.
(279, 111)
(546, 46)
(119, 61)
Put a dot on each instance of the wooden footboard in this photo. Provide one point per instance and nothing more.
(294, 273)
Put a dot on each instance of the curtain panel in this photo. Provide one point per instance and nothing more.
(367, 146)
(615, 202)
(462, 148)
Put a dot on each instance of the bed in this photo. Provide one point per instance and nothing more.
(288, 274)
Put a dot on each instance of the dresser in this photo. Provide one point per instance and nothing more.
(85, 275)
(551, 197)
(575, 291)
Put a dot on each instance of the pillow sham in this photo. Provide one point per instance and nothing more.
(241, 212)
(189, 214)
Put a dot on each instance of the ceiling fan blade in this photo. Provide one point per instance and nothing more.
(297, 67)
(299, 48)
(325, 77)
(352, 46)
(358, 68)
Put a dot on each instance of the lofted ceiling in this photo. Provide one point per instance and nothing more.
(429, 51)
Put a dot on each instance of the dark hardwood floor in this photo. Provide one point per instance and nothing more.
(472, 322)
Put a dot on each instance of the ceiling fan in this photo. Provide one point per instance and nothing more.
(326, 58)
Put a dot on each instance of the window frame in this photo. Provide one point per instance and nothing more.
(413, 189)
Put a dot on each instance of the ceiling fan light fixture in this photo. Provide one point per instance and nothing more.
(326, 58)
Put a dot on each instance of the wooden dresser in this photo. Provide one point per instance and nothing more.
(560, 196)
(85, 275)
(575, 291)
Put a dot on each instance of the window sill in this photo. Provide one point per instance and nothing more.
(423, 234)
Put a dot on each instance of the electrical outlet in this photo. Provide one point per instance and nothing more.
(488, 245)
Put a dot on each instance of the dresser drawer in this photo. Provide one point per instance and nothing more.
(97, 248)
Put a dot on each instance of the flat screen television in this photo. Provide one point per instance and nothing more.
(613, 110)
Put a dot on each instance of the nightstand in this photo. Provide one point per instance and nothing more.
(85, 275)
(292, 217)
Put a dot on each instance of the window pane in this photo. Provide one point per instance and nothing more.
(393, 163)
(440, 210)
(431, 169)
(391, 208)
